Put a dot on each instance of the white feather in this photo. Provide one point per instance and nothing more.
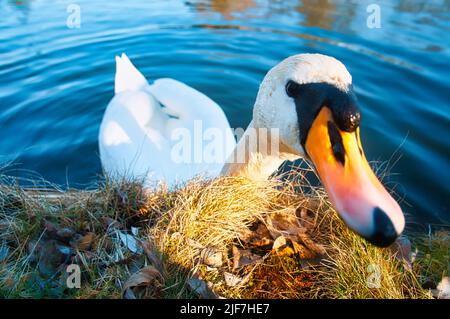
(128, 78)
(142, 125)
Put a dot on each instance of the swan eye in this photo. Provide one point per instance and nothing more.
(292, 88)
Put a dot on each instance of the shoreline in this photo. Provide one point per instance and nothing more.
(226, 237)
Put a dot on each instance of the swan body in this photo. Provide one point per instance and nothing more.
(305, 107)
(140, 135)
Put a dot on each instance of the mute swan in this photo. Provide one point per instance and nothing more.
(305, 107)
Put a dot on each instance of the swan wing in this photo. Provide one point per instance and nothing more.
(210, 130)
(165, 132)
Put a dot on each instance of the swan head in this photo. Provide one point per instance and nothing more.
(309, 99)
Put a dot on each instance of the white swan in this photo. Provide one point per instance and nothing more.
(148, 130)
(305, 107)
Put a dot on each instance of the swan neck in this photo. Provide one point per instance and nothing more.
(257, 155)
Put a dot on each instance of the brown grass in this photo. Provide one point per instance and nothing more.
(177, 228)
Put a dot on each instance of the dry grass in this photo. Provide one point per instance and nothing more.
(41, 233)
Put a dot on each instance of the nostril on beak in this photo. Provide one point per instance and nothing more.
(384, 231)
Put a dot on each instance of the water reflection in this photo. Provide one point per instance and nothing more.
(421, 6)
(227, 8)
(318, 13)
(324, 14)
(22, 8)
(56, 81)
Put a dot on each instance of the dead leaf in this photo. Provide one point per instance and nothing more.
(194, 244)
(65, 234)
(280, 242)
(258, 238)
(152, 256)
(288, 246)
(401, 250)
(311, 245)
(129, 294)
(146, 277)
(201, 288)
(442, 290)
(86, 242)
(130, 242)
(284, 224)
(282, 247)
(306, 216)
(50, 255)
(135, 231)
(244, 257)
(303, 252)
(262, 231)
(123, 197)
(50, 228)
(246, 235)
(232, 280)
(211, 257)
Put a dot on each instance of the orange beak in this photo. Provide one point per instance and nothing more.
(357, 194)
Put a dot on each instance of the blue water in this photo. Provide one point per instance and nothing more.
(56, 81)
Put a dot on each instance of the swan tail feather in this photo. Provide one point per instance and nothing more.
(128, 78)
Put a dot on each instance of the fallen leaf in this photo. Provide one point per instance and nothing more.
(401, 250)
(258, 238)
(281, 247)
(310, 244)
(128, 294)
(86, 242)
(152, 255)
(130, 242)
(51, 255)
(288, 246)
(262, 231)
(246, 235)
(194, 244)
(50, 228)
(303, 252)
(146, 277)
(211, 257)
(284, 224)
(123, 197)
(280, 242)
(232, 280)
(201, 288)
(65, 234)
(306, 216)
(65, 250)
(442, 290)
(244, 257)
(135, 231)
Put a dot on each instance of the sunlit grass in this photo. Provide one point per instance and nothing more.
(178, 226)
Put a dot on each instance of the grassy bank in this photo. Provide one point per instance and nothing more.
(227, 237)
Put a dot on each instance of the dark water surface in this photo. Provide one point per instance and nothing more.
(55, 82)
